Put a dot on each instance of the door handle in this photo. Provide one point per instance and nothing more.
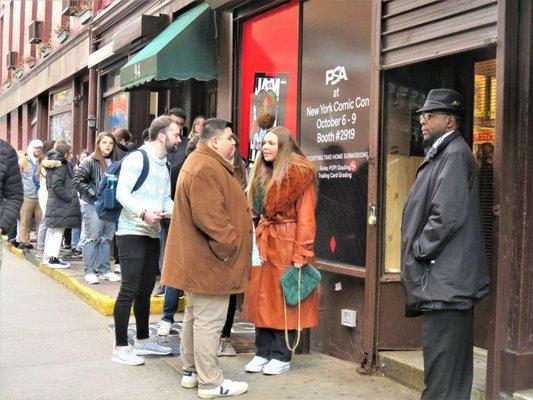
(372, 217)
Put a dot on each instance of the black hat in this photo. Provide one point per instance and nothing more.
(443, 100)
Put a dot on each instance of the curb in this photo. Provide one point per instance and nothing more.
(100, 302)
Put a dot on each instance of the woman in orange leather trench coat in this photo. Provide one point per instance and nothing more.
(282, 191)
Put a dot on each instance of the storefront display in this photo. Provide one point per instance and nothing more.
(269, 75)
(334, 119)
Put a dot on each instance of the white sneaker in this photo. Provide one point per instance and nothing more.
(91, 279)
(124, 355)
(189, 379)
(117, 269)
(225, 348)
(276, 367)
(164, 328)
(149, 347)
(111, 277)
(228, 388)
(256, 365)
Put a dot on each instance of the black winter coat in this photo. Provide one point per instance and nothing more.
(86, 179)
(11, 193)
(443, 256)
(63, 205)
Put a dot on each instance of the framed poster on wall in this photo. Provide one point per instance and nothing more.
(267, 108)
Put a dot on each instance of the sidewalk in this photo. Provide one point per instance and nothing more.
(52, 346)
(100, 296)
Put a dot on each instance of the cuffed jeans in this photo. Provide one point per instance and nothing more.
(98, 235)
(270, 344)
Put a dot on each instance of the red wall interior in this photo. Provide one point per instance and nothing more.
(270, 45)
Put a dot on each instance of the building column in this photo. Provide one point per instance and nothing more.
(26, 126)
(3, 127)
(15, 140)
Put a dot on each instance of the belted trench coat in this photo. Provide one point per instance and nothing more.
(285, 234)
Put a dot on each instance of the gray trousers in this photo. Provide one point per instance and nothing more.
(448, 347)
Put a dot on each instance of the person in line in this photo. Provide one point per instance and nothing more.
(197, 126)
(98, 233)
(175, 157)
(172, 295)
(443, 265)
(62, 205)
(282, 192)
(11, 191)
(208, 255)
(138, 239)
(79, 238)
(225, 348)
(122, 138)
(43, 195)
(30, 206)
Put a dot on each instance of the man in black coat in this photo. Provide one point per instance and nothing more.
(11, 192)
(443, 263)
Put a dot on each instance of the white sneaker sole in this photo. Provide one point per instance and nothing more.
(119, 361)
(56, 266)
(189, 384)
(255, 368)
(150, 353)
(276, 372)
(215, 395)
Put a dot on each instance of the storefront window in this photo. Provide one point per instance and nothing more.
(405, 154)
(335, 118)
(61, 126)
(62, 99)
(483, 143)
(116, 112)
(269, 75)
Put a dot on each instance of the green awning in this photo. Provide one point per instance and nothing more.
(186, 49)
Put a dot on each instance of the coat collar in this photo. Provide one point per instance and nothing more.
(435, 152)
(202, 148)
(282, 197)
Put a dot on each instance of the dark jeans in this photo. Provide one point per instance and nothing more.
(170, 306)
(138, 256)
(448, 348)
(270, 344)
(226, 331)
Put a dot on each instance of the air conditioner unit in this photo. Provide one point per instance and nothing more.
(11, 59)
(35, 32)
(69, 7)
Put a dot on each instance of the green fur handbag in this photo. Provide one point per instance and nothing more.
(305, 279)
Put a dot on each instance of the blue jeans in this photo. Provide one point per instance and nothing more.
(170, 306)
(75, 237)
(98, 236)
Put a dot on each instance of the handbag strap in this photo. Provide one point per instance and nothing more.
(292, 349)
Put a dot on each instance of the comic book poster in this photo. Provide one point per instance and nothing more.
(268, 108)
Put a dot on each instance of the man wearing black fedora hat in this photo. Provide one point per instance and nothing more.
(443, 263)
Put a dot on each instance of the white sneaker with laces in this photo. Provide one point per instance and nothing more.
(256, 365)
(111, 277)
(91, 279)
(276, 367)
(189, 379)
(164, 328)
(149, 347)
(227, 389)
(124, 355)
(225, 348)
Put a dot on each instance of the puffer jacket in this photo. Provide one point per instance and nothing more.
(86, 179)
(63, 205)
(11, 191)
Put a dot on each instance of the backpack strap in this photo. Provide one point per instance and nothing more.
(144, 172)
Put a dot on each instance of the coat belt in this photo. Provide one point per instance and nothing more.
(266, 229)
